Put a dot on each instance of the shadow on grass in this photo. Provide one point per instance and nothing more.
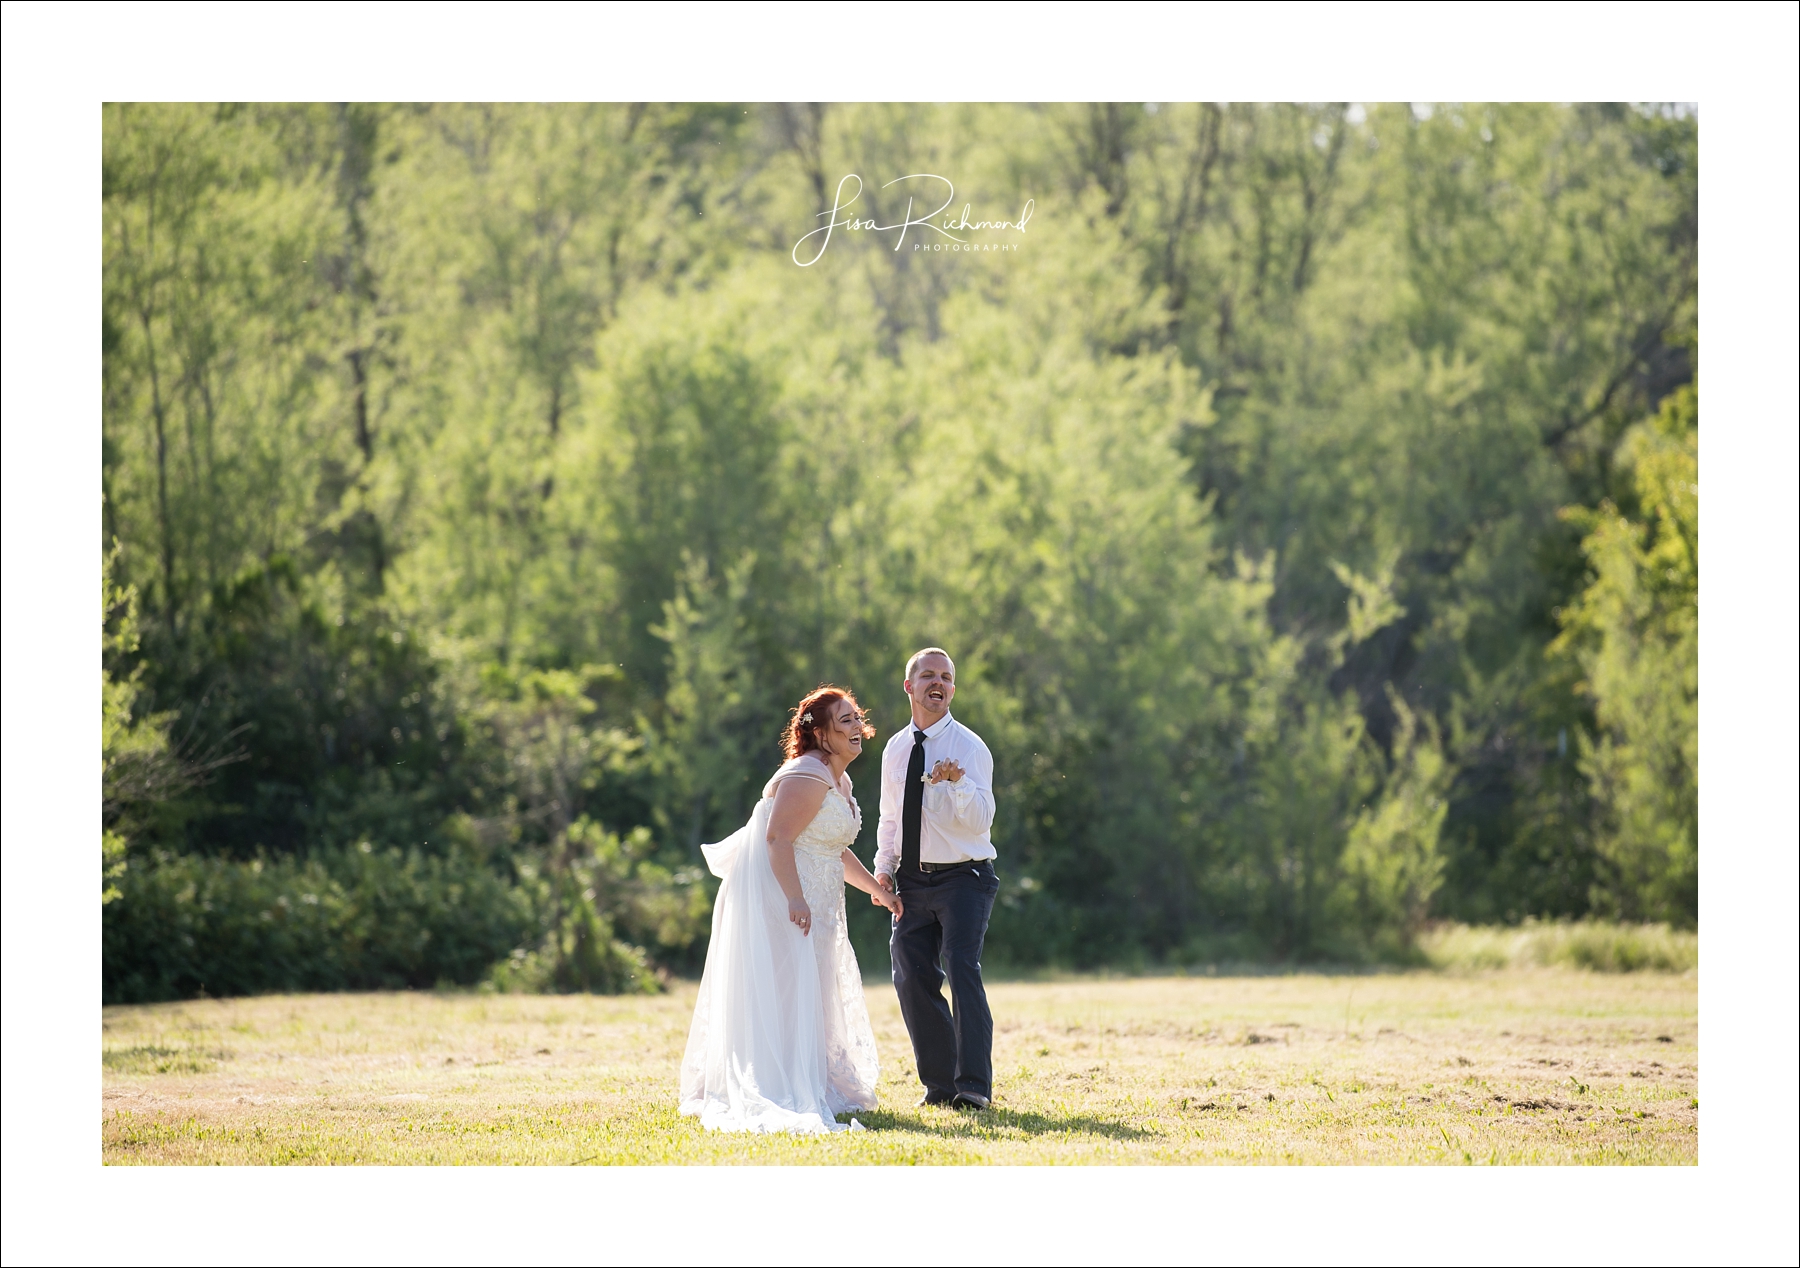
(973, 1125)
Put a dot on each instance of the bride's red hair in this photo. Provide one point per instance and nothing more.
(801, 735)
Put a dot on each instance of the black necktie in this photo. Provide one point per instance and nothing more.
(912, 805)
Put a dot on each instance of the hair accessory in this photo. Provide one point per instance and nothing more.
(807, 716)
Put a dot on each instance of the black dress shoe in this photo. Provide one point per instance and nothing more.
(936, 1098)
(969, 1101)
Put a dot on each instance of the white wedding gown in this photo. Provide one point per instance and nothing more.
(781, 1039)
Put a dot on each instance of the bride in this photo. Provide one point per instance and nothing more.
(781, 1038)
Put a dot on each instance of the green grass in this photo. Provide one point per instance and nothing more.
(1581, 944)
(1515, 1066)
(152, 1059)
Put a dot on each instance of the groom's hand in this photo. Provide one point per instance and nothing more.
(946, 770)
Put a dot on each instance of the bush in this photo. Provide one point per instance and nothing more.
(375, 919)
(357, 919)
(1583, 944)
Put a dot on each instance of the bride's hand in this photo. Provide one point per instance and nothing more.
(801, 915)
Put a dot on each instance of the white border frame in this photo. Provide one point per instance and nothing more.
(1736, 61)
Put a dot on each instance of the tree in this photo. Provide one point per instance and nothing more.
(1634, 631)
(142, 769)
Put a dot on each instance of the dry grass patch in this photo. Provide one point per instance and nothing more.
(1521, 1066)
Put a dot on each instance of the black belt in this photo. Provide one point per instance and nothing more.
(950, 867)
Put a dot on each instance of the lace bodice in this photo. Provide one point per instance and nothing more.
(839, 818)
(818, 854)
(832, 829)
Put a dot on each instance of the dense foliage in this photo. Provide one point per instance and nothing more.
(485, 482)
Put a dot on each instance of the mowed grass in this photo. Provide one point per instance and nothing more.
(1518, 1066)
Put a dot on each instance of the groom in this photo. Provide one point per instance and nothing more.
(937, 803)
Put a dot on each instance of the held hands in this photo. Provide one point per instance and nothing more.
(945, 770)
(885, 895)
(801, 915)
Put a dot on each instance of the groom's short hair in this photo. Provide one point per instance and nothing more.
(912, 662)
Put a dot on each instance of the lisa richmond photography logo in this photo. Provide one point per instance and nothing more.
(920, 189)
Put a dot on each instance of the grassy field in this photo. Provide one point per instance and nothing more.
(1515, 1066)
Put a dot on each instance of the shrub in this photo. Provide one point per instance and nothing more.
(1585, 944)
(598, 886)
(356, 919)
(377, 919)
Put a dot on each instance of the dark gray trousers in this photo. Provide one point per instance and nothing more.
(946, 920)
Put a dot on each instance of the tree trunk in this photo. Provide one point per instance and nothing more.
(162, 473)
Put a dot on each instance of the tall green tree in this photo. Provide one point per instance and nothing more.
(1634, 632)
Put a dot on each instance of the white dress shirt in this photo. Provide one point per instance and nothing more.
(957, 815)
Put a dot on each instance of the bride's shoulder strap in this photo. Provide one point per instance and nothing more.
(806, 766)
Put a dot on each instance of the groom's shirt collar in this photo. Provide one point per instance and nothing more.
(939, 727)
